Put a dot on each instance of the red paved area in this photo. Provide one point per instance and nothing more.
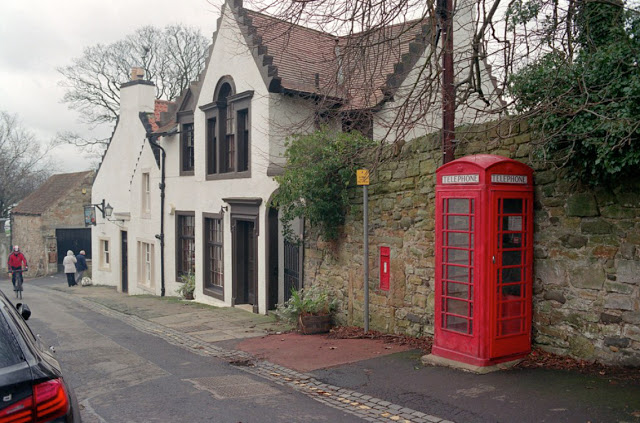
(305, 353)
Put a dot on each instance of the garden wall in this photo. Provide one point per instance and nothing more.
(587, 251)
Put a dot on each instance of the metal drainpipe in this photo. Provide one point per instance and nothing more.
(152, 141)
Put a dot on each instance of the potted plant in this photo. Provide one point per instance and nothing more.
(310, 309)
(188, 285)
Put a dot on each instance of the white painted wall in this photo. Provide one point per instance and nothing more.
(271, 116)
(118, 183)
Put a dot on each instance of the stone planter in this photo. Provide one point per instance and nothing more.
(309, 324)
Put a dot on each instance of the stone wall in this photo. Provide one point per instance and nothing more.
(5, 247)
(587, 255)
(36, 234)
(26, 233)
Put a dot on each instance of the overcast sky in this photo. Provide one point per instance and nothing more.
(38, 36)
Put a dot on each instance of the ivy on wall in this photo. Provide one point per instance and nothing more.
(320, 170)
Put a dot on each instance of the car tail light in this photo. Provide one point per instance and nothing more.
(48, 402)
(20, 412)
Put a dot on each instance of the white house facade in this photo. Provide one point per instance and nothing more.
(124, 243)
(190, 188)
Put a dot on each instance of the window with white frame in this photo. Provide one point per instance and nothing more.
(105, 254)
(146, 192)
(145, 264)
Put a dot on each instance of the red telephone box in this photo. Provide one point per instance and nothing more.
(484, 258)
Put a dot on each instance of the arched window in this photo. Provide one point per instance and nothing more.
(228, 132)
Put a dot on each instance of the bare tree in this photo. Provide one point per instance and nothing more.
(495, 42)
(23, 163)
(171, 58)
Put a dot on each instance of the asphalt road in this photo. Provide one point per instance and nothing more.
(123, 375)
(160, 374)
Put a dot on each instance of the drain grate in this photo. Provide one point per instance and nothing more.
(223, 387)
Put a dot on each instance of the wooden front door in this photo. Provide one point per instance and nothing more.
(245, 274)
(125, 263)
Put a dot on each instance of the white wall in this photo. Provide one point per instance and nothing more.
(229, 57)
(117, 182)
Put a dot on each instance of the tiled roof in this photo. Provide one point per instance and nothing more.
(160, 106)
(55, 188)
(369, 66)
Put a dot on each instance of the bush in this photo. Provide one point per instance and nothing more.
(320, 170)
(188, 286)
(313, 300)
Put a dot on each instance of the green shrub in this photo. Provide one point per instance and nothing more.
(312, 300)
(188, 284)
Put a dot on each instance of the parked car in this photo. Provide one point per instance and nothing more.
(32, 387)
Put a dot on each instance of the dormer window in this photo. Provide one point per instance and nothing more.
(228, 132)
(187, 149)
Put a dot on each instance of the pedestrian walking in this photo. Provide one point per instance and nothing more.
(14, 265)
(81, 266)
(69, 263)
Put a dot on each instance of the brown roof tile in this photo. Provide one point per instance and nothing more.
(49, 193)
(371, 65)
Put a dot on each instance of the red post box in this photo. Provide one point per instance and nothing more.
(484, 258)
(385, 263)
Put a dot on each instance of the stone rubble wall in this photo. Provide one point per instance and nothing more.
(587, 251)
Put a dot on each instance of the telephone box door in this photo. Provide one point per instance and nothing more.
(511, 271)
(456, 269)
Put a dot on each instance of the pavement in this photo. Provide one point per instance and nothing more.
(378, 381)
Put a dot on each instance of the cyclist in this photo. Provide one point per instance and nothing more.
(14, 267)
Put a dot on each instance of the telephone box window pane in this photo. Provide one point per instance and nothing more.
(459, 324)
(511, 327)
(456, 239)
(459, 205)
(513, 205)
(511, 275)
(456, 273)
(458, 223)
(511, 258)
(512, 223)
(457, 307)
(458, 256)
(458, 290)
(512, 290)
(511, 240)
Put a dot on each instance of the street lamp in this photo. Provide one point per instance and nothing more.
(108, 210)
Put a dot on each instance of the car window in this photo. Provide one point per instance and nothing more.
(10, 353)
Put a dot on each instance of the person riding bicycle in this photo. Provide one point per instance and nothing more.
(14, 264)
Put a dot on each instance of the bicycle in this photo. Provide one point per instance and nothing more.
(17, 287)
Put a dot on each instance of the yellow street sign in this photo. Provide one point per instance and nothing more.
(362, 176)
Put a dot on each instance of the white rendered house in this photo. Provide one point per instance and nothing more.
(190, 188)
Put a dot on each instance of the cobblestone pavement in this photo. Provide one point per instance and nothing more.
(122, 307)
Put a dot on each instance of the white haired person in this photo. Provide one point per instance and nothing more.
(14, 264)
(69, 263)
(81, 266)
